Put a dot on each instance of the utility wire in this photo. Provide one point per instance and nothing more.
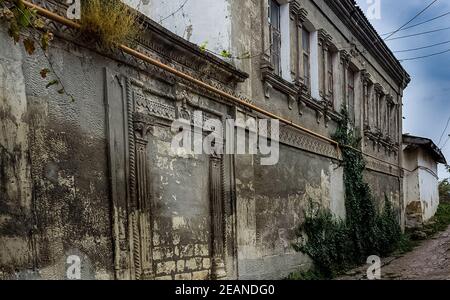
(442, 135)
(420, 48)
(417, 34)
(407, 23)
(176, 11)
(425, 56)
(421, 23)
(445, 144)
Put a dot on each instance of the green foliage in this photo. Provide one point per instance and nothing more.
(22, 20)
(336, 245)
(203, 46)
(444, 190)
(440, 221)
(225, 54)
(110, 22)
(327, 243)
(406, 244)
(313, 274)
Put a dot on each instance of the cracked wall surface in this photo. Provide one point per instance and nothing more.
(71, 182)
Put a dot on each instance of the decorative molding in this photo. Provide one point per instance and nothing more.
(216, 186)
(294, 138)
(379, 88)
(345, 57)
(382, 167)
(271, 80)
(154, 108)
(360, 26)
(324, 37)
(296, 10)
(390, 100)
(366, 78)
(292, 101)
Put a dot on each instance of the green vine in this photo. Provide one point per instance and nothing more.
(336, 245)
(24, 21)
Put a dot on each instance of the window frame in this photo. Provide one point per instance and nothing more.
(275, 36)
(330, 74)
(306, 57)
(350, 93)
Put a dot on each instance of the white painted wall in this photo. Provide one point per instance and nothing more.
(198, 21)
(428, 182)
(429, 193)
(421, 182)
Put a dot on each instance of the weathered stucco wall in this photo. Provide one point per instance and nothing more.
(192, 20)
(15, 177)
(421, 183)
(54, 179)
(386, 187)
(60, 175)
(59, 164)
(272, 202)
(97, 177)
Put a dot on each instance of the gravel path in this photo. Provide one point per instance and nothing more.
(429, 261)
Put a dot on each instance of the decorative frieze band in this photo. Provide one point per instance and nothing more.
(382, 167)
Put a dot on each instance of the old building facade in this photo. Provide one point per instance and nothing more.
(306, 59)
(420, 161)
(96, 176)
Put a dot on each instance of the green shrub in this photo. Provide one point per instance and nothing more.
(336, 245)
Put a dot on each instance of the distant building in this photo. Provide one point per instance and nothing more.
(420, 160)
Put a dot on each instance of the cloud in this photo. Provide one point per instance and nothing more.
(427, 99)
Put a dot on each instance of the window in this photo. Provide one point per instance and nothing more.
(275, 35)
(306, 48)
(369, 104)
(330, 75)
(351, 94)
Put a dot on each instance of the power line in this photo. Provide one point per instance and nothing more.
(443, 132)
(417, 34)
(446, 142)
(415, 17)
(421, 23)
(420, 48)
(176, 11)
(424, 56)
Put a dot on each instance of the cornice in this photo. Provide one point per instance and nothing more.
(353, 17)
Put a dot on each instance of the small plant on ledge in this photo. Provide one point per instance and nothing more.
(110, 22)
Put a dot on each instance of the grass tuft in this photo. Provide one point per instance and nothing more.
(111, 22)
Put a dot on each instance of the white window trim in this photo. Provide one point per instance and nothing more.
(285, 29)
(314, 65)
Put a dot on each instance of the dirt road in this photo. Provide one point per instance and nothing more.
(429, 261)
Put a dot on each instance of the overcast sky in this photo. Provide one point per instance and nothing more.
(426, 100)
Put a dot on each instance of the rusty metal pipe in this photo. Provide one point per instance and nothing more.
(53, 16)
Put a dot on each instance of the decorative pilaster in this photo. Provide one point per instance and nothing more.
(324, 43)
(390, 105)
(345, 62)
(301, 15)
(217, 217)
(378, 95)
(365, 79)
(266, 40)
(142, 129)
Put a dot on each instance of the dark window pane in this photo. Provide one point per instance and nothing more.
(274, 14)
(306, 70)
(305, 40)
(275, 35)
